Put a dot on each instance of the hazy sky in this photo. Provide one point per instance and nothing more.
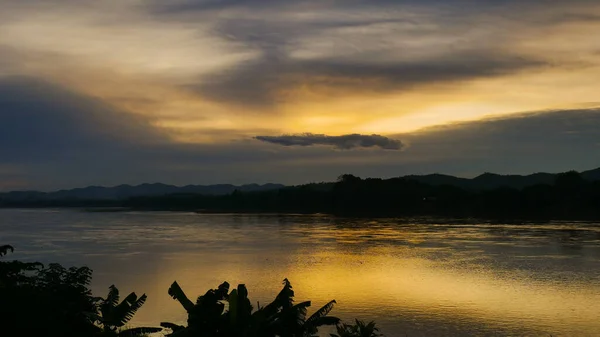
(233, 91)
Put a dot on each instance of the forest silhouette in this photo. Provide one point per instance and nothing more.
(568, 196)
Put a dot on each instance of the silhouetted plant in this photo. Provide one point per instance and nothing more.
(290, 320)
(320, 318)
(45, 301)
(279, 318)
(4, 249)
(114, 315)
(358, 329)
(13, 273)
(60, 303)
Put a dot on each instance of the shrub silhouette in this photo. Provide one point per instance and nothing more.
(45, 301)
(359, 329)
(55, 301)
(114, 315)
(4, 249)
(60, 303)
(279, 318)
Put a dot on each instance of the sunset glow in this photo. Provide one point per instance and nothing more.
(217, 74)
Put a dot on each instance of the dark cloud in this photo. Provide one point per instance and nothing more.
(475, 39)
(183, 6)
(344, 142)
(373, 63)
(272, 78)
(42, 120)
(542, 141)
(554, 126)
(52, 137)
(203, 5)
(274, 75)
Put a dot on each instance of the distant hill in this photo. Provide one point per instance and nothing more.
(127, 191)
(591, 175)
(488, 181)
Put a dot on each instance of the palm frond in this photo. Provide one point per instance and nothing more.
(172, 326)
(360, 329)
(135, 306)
(284, 300)
(177, 293)
(113, 296)
(322, 312)
(326, 320)
(108, 305)
(342, 329)
(300, 310)
(320, 318)
(286, 296)
(124, 312)
(138, 331)
(93, 316)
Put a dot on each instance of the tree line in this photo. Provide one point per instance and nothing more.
(570, 196)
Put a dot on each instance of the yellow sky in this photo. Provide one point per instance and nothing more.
(163, 67)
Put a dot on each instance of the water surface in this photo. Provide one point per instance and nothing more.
(415, 277)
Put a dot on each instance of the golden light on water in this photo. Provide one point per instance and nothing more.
(424, 278)
(382, 284)
(461, 278)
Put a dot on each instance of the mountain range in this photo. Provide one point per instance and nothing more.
(488, 181)
(484, 181)
(127, 191)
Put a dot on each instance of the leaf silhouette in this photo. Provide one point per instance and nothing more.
(177, 293)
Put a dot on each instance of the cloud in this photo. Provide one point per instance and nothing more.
(331, 49)
(555, 141)
(52, 137)
(344, 142)
(174, 7)
(222, 62)
(274, 79)
(40, 120)
(358, 48)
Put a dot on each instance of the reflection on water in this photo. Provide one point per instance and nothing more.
(415, 277)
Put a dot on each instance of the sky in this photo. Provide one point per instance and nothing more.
(255, 91)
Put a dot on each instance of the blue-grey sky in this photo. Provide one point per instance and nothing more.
(232, 91)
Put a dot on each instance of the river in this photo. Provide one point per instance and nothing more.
(414, 277)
